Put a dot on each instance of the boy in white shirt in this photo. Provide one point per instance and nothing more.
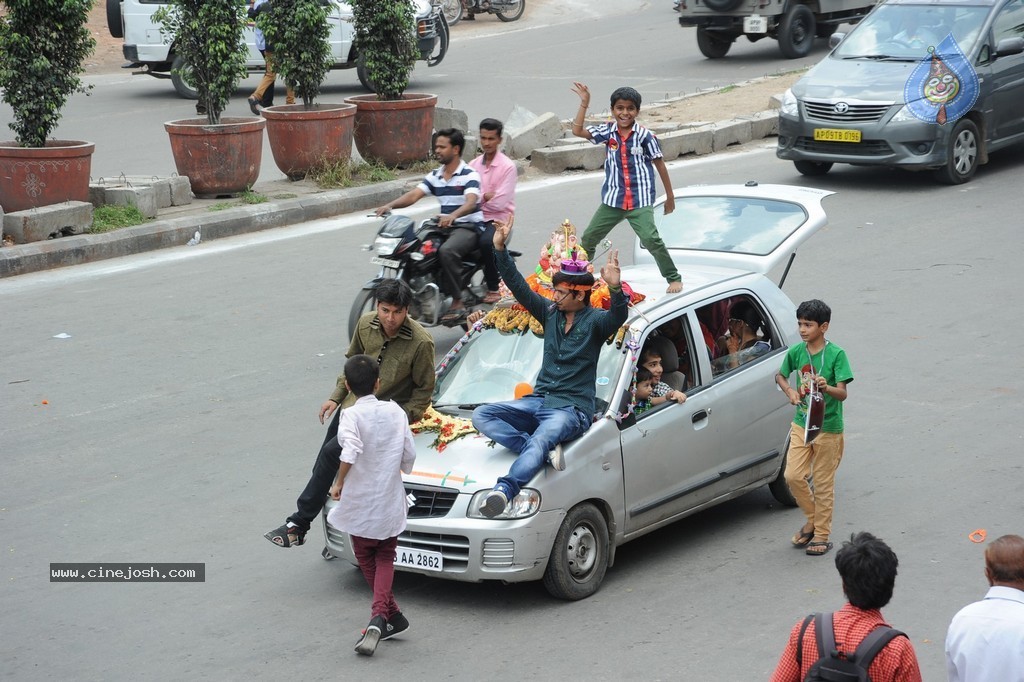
(376, 446)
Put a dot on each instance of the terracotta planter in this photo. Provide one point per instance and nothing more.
(39, 176)
(394, 132)
(219, 160)
(301, 138)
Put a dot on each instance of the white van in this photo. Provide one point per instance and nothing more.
(146, 47)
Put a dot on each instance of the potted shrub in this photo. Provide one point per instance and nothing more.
(219, 155)
(304, 135)
(39, 69)
(391, 126)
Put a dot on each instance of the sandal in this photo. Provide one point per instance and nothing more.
(818, 548)
(286, 536)
(454, 318)
(801, 539)
(492, 297)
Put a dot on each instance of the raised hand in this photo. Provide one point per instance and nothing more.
(583, 91)
(502, 229)
(610, 272)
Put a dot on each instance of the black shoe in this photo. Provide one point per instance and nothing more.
(254, 106)
(286, 536)
(395, 625)
(367, 644)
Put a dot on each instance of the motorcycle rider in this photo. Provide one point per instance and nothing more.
(458, 189)
(498, 176)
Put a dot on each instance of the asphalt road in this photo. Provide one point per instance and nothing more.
(179, 425)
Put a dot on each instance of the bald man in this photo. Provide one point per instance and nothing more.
(986, 639)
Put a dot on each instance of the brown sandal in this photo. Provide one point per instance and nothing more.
(801, 539)
(818, 548)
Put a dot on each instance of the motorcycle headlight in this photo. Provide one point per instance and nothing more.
(526, 503)
(789, 104)
(386, 246)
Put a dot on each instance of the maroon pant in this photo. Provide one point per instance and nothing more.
(377, 562)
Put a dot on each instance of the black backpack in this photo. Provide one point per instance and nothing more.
(831, 666)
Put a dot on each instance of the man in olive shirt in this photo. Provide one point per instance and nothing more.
(405, 353)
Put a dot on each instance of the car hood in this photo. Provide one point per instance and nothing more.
(468, 464)
(855, 79)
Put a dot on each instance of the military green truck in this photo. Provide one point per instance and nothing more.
(794, 24)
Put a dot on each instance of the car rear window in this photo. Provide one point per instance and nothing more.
(729, 224)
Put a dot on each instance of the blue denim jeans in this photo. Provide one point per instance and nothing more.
(530, 430)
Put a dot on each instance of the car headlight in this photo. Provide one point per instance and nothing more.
(385, 246)
(789, 105)
(903, 115)
(526, 503)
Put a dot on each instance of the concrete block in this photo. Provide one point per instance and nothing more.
(472, 147)
(161, 189)
(48, 222)
(450, 118)
(97, 195)
(682, 142)
(557, 159)
(726, 133)
(181, 190)
(763, 124)
(141, 197)
(541, 132)
(775, 101)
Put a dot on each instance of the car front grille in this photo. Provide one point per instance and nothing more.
(817, 110)
(454, 548)
(430, 502)
(863, 148)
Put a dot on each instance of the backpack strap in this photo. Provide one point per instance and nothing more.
(825, 635)
(873, 644)
(800, 641)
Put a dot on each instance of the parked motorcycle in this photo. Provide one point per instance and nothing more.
(410, 253)
(506, 10)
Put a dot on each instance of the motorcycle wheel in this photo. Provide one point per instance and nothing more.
(365, 302)
(514, 11)
(452, 10)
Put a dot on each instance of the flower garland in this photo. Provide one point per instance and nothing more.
(447, 428)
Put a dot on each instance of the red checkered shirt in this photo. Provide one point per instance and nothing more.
(897, 662)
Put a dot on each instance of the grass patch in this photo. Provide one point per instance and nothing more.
(340, 174)
(245, 198)
(108, 218)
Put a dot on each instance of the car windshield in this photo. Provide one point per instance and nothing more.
(906, 32)
(730, 224)
(492, 362)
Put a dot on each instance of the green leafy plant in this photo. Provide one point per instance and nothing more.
(346, 173)
(43, 44)
(385, 42)
(207, 34)
(298, 33)
(109, 217)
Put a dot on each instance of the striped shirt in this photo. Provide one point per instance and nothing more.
(628, 165)
(452, 193)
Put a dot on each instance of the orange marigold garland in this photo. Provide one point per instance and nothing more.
(447, 428)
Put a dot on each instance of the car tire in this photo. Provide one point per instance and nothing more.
(962, 154)
(363, 74)
(722, 5)
(780, 489)
(514, 14)
(114, 22)
(813, 168)
(179, 78)
(366, 300)
(579, 557)
(796, 32)
(711, 44)
(452, 10)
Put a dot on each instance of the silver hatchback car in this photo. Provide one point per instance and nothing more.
(627, 475)
(860, 104)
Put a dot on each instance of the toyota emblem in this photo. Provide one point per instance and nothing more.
(841, 107)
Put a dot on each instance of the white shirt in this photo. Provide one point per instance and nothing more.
(376, 440)
(985, 642)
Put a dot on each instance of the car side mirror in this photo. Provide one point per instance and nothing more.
(835, 39)
(1009, 46)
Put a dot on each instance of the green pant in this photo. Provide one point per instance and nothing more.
(642, 221)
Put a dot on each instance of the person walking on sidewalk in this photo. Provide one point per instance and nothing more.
(633, 154)
(405, 354)
(376, 448)
(498, 177)
(263, 95)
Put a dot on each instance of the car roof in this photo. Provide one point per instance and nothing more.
(943, 3)
(699, 282)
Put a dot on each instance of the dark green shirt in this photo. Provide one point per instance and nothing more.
(569, 371)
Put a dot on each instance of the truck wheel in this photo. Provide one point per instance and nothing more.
(962, 155)
(711, 43)
(513, 12)
(114, 24)
(722, 5)
(579, 557)
(813, 168)
(181, 78)
(363, 74)
(796, 32)
(452, 10)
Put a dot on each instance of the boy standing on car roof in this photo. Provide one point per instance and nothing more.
(825, 365)
(633, 153)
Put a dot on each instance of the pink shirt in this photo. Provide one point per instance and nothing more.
(499, 178)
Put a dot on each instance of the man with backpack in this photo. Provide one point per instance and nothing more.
(855, 642)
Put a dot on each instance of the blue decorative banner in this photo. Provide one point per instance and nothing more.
(944, 86)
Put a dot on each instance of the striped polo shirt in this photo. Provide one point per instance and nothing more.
(452, 193)
(628, 165)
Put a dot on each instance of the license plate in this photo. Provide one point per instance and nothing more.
(836, 135)
(419, 558)
(385, 262)
(755, 23)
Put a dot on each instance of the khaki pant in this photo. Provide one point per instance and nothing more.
(815, 463)
(269, 76)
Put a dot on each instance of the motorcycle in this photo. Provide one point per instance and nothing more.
(506, 10)
(410, 253)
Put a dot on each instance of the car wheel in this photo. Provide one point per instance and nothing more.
(579, 557)
(722, 5)
(962, 157)
(711, 43)
(780, 489)
(363, 74)
(796, 32)
(813, 168)
(513, 12)
(181, 78)
(365, 302)
(452, 11)
(114, 24)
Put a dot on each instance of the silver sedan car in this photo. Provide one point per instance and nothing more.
(627, 475)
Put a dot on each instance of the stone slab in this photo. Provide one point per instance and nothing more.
(48, 222)
(764, 124)
(584, 156)
(141, 197)
(728, 133)
(450, 118)
(682, 142)
(540, 132)
(181, 190)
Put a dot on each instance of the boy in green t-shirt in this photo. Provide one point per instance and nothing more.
(824, 364)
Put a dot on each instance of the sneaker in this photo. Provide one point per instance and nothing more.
(254, 106)
(494, 504)
(286, 536)
(558, 458)
(367, 644)
(395, 625)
